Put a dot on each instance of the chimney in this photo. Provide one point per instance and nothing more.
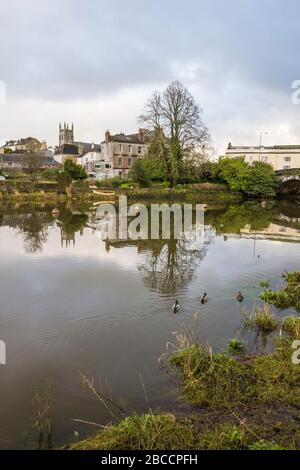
(107, 136)
(230, 145)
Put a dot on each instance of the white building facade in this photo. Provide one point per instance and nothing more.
(281, 157)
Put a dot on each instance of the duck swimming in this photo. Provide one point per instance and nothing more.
(176, 307)
(204, 299)
(240, 297)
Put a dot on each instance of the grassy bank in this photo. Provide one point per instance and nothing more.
(166, 432)
(26, 190)
(242, 402)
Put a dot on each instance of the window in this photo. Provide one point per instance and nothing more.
(139, 150)
(286, 167)
(107, 166)
(286, 159)
(129, 148)
(129, 161)
(121, 148)
(264, 159)
(120, 161)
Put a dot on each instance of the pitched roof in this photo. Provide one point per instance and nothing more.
(138, 138)
(67, 149)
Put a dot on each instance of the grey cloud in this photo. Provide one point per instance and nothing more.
(73, 49)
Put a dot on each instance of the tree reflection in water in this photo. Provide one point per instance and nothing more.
(35, 232)
(169, 265)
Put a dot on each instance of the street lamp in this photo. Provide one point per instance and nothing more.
(260, 143)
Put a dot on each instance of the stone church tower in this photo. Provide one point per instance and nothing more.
(66, 134)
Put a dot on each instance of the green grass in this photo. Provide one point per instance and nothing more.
(218, 380)
(264, 283)
(225, 437)
(287, 297)
(213, 380)
(263, 445)
(147, 432)
(236, 346)
(262, 319)
(165, 432)
(291, 326)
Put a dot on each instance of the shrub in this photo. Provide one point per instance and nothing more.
(289, 296)
(140, 174)
(236, 346)
(258, 179)
(77, 172)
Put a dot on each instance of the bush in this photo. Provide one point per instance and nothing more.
(77, 172)
(140, 174)
(261, 180)
(234, 172)
(256, 180)
(289, 296)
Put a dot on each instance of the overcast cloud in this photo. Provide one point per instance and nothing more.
(95, 62)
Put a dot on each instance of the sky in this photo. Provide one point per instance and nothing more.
(95, 63)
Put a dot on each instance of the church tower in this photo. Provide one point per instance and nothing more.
(66, 134)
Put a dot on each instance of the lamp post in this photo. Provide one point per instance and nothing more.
(260, 143)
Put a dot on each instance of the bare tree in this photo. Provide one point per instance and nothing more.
(33, 162)
(176, 118)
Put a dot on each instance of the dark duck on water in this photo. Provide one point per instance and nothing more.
(204, 298)
(176, 307)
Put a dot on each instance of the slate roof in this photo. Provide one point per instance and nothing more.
(131, 138)
(67, 149)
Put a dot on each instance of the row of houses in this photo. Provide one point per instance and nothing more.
(114, 156)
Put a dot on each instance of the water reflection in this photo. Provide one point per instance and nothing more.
(71, 302)
(269, 220)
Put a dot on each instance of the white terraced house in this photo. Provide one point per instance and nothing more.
(281, 157)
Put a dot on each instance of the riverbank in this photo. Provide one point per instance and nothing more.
(241, 403)
(21, 190)
(28, 191)
(241, 400)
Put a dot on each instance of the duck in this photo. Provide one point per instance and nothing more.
(240, 297)
(176, 307)
(204, 298)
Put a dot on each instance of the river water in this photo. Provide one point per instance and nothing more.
(72, 304)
